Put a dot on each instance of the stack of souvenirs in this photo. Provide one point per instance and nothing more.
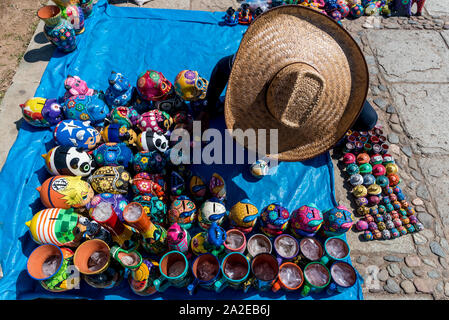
(64, 21)
(118, 207)
(373, 174)
(336, 9)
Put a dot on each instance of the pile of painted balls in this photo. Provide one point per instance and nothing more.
(117, 203)
(372, 172)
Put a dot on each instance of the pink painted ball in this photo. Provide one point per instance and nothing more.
(361, 225)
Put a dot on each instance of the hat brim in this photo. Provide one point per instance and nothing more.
(286, 35)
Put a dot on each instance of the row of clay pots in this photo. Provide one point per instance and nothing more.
(64, 21)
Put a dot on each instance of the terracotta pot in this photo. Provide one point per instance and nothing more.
(39, 256)
(86, 251)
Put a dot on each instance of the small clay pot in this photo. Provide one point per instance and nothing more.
(38, 258)
(85, 251)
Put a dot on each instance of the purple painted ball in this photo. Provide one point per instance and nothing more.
(373, 200)
(362, 201)
(372, 226)
(361, 225)
(413, 219)
(306, 220)
(336, 15)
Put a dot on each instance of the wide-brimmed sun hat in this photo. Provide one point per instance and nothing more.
(300, 72)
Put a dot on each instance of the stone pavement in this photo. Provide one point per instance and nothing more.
(409, 82)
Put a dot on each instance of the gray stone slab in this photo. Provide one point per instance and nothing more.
(423, 111)
(437, 9)
(411, 55)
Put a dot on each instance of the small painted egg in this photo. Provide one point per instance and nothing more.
(404, 203)
(366, 168)
(388, 189)
(405, 220)
(362, 201)
(363, 210)
(386, 200)
(410, 228)
(373, 210)
(372, 226)
(378, 218)
(402, 230)
(374, 189)
(387, 217)
(369, 218)
(402, 212)
(394, 214)
(410, 210)
(381, 226)
(397, 189)
(356, 179)
(363, 158)
(368, 235)
(400, 196)
(361, 225)
(382, 181)
(381, 209)
(413, 219)
(393, 197)
(389, 225)
(349, 158)
(389, 207)
(377, 235)
(394, 233)
(386, 235)
(418, 226)
(368, 179)
(396, 205)
(359, 191)
(397, 222)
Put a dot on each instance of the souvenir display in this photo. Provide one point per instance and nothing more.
(76, 133)
(40, 112)
(65, 192)
(149, 161)
(68, 161)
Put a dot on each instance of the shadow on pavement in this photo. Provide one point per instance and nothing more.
(42, 54)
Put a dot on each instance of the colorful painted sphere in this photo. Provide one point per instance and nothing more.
(153, 86)
(356, 179)
(349, 158)
(337, 221)
(389, 224)
(369, 218)
(413, 219)
(243, 216)
(382, 209)
(402, 230)
(190, 86)
(154, 207)
(344, 10)
(368, 235)
(381, 226)
(397, 222)
(393, 197)
(410, 228)
(372, 226)
(356, 11)
(109, 179)
(151, 161)
(391, 168)
(419, 226)
(361, 225)
(378, 218)
(395, 233)
(388, 189)
(362, 201)
(386, 235)
(388, 158)
(394, 179)
(156, 121)
(389, 207)
(352, 168)
(212, 210)
(374, 189)
(259, 168)
(182, 211)
(274, 219)
(368, 179)
(378, 170)
(373, 211)
(377, 234)
(306, 220)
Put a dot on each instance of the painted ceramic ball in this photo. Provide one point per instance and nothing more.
(402, 212)
(388, 158)
(362, 201)
(389, 224)
(306, 220)
(405, 220)
(372, 226)
(376, 159)
(344, 10)
(404, 203)
(359, 191)
(396, 205)
(156, 121)
(154, 207)
(153, 86)
(386, 200)
(336, 15)
(402, 230)
(362, 210)
(349, 158)
(373, 210)
(369, 218)
(386, 235)
(356, 179)
(352, 168)
(378, 218)
(381, 209)
(397, 222)
(401, 196)
(397, 189)
(394, 233)
(151, 161)
(391, 168)
(368, 235)
(356, 11)
(381, 226)
(410, 228)
(418, 226)
(387, 217)
(382, 181)
(388, 189)
(362, 158)
(389, 207)
(143, 184)
(394, 215)
(274, 219)
(361, 225)
(259, 168)
(368, 179)
(182, 211)
(365, 168)
(377, 234)
(393, 197)
(243, 216)
(373, 200)
(113, 154)
(337, 221)
(410, 210)
(379, 170)
(118, 202)
(413, 219)
(394, 179)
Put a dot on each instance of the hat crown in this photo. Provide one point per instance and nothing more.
(293, 93)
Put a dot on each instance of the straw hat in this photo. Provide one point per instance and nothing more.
(297, 71)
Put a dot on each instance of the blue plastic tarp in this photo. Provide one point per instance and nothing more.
(130, 41)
